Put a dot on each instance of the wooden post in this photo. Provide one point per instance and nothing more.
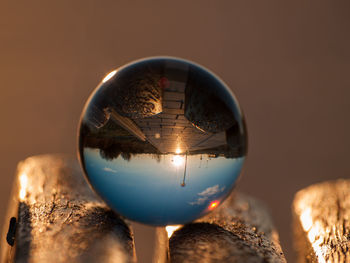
(239, 231)
(321, 214)
(55, 217)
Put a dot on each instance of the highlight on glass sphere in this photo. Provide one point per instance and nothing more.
(162, 141)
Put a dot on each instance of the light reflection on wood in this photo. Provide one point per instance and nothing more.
(240, 230)
(57, 212)
(321, 222)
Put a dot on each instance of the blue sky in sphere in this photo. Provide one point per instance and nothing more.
(145, 190)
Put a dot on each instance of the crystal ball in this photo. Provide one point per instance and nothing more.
(162, 141)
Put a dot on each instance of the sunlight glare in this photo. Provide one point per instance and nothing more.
(23, 183)
(171, 229)
(314, 232)
(213, 205)
(178, 160)
(109, 76)
(306, 219)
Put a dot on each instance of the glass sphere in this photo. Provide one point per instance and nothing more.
(162, 141)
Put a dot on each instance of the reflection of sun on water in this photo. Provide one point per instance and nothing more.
(178, 160)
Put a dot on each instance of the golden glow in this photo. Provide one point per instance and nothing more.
(213, 205)
(314, 233)
(23, 183)
(178, 160)
(157, 135)
(178, 150)
(109, 76)
(306, 219)
(171, 229)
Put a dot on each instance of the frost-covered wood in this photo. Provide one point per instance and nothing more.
(240, 230)
(59, 218)
(321, 215)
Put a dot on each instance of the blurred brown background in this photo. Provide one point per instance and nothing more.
(288, 64)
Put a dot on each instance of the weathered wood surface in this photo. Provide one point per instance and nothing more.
(59, 218)
(321, 214)
(240, 230)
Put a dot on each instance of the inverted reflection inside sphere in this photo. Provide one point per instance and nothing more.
(162, 141)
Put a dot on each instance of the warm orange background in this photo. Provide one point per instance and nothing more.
(288, 64)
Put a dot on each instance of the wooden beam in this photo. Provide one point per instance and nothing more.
(240, 230)
(59, 219)
(128, 125)
(321, 219)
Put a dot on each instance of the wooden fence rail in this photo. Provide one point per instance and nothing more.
(240, 230)
(321, 215)
(57, 218)
(54, 216)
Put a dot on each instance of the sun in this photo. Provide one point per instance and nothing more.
(178, 160)
(213, 205)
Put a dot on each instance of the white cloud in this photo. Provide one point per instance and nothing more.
(210, 191)
(204, 195)
(199, 201)
(107, 169)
